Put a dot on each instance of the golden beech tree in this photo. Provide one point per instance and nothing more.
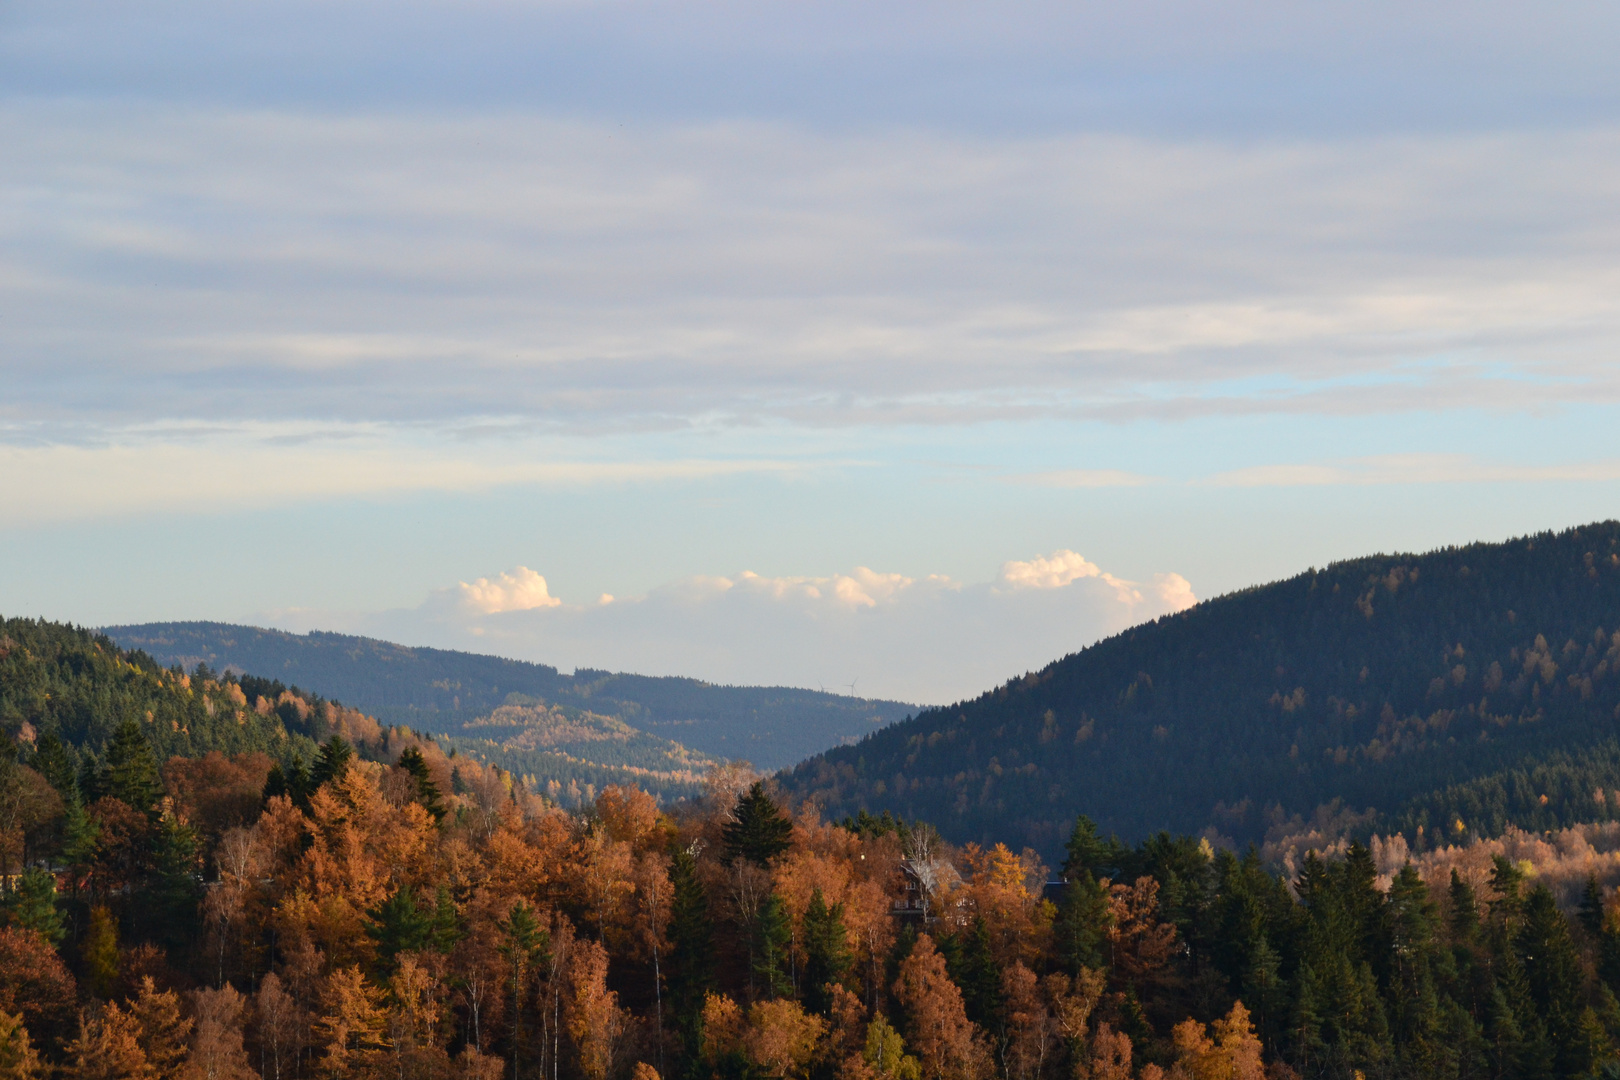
(781, 1038)
(606, 882)
(595, 1022)
(1032, 1033)
(1111, 1055)
(942, 1036)
(1140, 945)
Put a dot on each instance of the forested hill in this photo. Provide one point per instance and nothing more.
(79, 687)
(442, 691)
(1459, 690)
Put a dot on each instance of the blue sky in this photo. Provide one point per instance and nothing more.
(316, 314)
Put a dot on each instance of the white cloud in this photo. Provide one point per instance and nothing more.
(588, 276)
(202, 468)
(1414, 469)
(926, 638)
(520, 589)
(1048, 571)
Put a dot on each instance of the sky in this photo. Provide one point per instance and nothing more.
(895, 349)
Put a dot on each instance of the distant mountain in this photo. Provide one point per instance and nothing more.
(1458, 691)
(441, 691)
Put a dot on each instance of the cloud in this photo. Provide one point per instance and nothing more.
(921, 638)
(1414, 469)
(1085, 478)
(520, 589)
(199, 468)
(584, 276)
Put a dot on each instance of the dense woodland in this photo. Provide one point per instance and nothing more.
(177, 904)
(1454, 692)
(443, 691)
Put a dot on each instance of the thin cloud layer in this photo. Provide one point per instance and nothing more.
(587, 277)
(925, 639)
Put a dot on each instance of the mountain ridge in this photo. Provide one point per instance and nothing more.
(1375, 681)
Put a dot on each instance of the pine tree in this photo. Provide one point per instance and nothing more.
(773, 932)
(826, 952)
(1082, 924)
(1464, 910)
(130, 773)
(444, 928)
(1552, 971)
(972, 966)
(54, 762)
(1086, 852)
(176, 880)
(427, 792)
(1591, 910)
(332, 762)
(399, 925)
(691, 950)
(525, 946)
(758, 830)
(32, 904)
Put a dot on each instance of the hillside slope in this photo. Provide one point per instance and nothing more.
(1379, 681)
(442, 691)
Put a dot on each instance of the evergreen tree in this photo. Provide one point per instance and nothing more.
(1082, 924)
(1591, 910)
(427, 791)
(399, 925)
(1552, 972)
(525, 946)
(31, 904)
(773, 934)
(758, 830)
(690, 963)
(1086, 852)
(130, 773)
(176, 886)
(332, 762)
(54, 761)
(972, 966)
(1464, 917)
(444, 925)
(826, 952)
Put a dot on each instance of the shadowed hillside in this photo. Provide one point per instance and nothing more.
(1460, 690)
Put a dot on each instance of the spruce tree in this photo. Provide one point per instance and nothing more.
(525, 946)
(332, 762)
(973, 969)
(1591, 910)
(399, 925)
(758, 830)
(427, 791)
(690, 965)
(31, 904)
(1082, 924)
(130, 772)
(773, 933)
(176, 887)
(1552, 971)
(826, 952)
(54, 761)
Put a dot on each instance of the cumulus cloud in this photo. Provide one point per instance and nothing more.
(927, 638)
(520, 589)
